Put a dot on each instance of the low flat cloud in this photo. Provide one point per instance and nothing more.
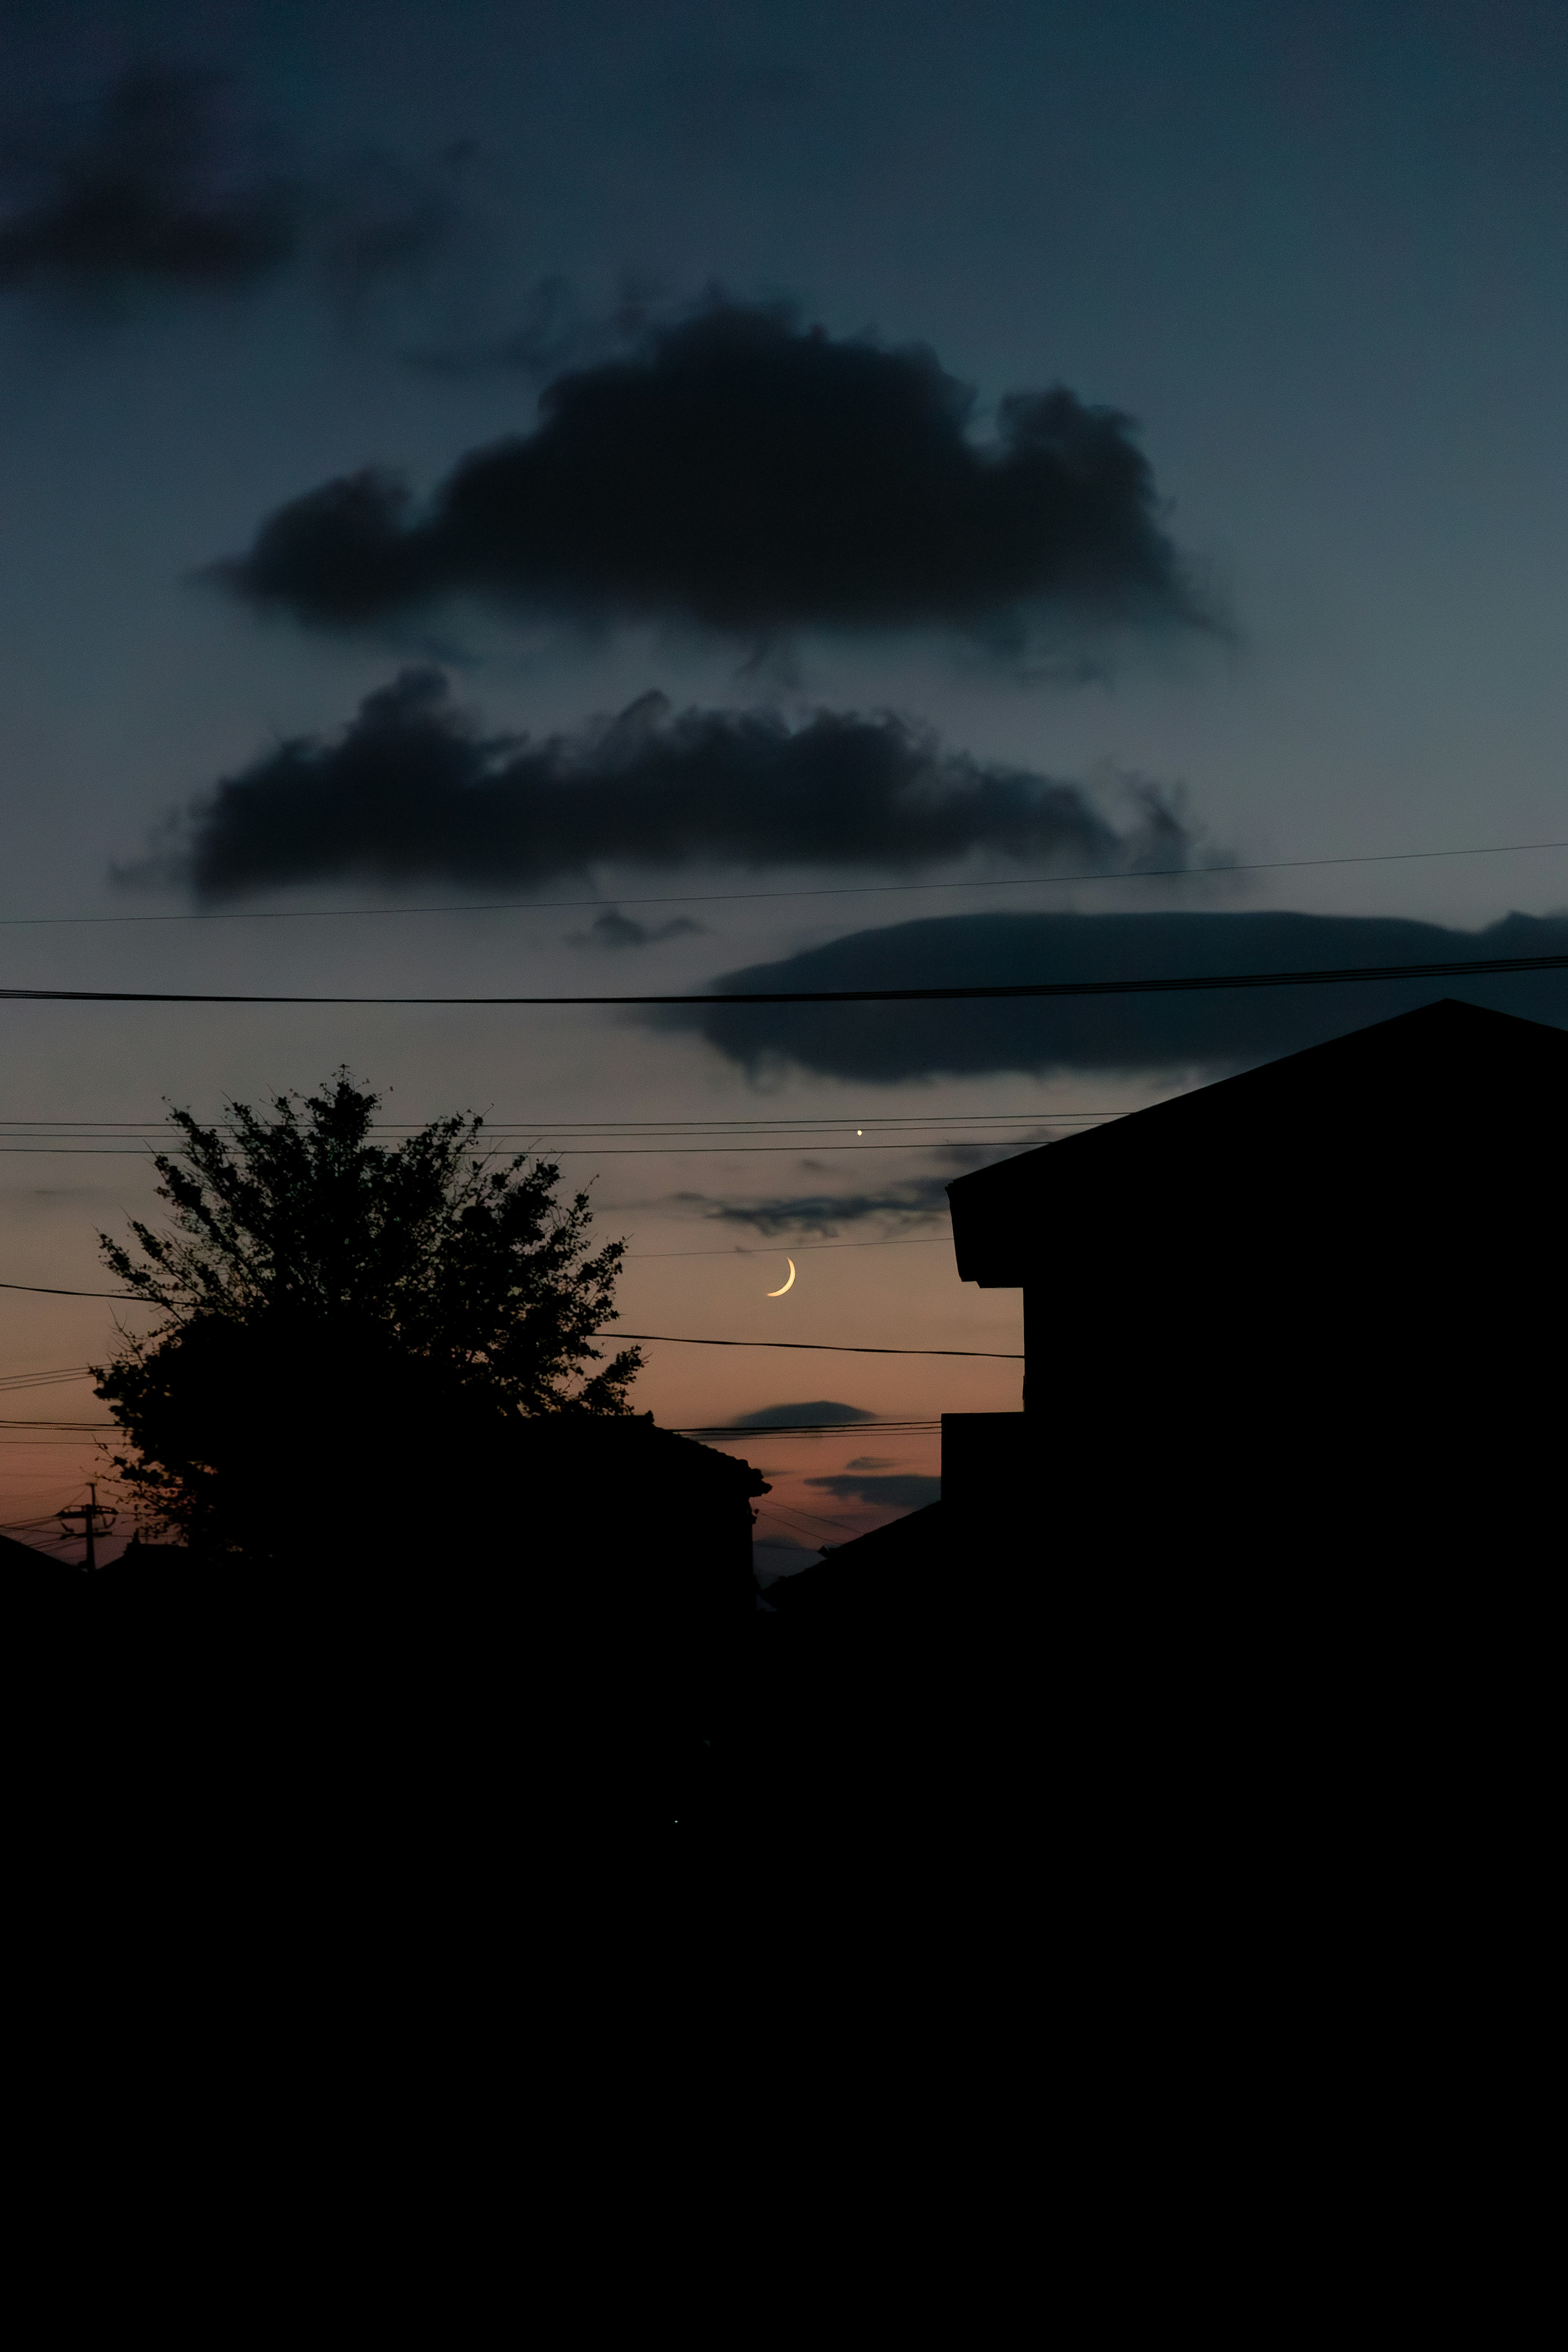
(820, 1410)
(1224, 1030)
(753, 476)
(412, 789)
(915, 1201)
(901, 1490)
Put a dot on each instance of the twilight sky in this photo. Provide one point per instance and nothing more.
(681, 472)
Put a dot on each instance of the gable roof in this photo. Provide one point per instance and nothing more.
(871, 1575)
(1450, 1095)
(27, 1561)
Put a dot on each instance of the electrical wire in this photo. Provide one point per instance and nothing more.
(164, 1125)
(48, 1290)
(811, 1346)
(662, 1339)
(827, 890)
(58, 1424)
(557, 1150)
(1450, 968)
(790, 1511)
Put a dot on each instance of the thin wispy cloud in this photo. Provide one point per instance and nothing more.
(913, 1200)
(900, 1490)
(613, 930)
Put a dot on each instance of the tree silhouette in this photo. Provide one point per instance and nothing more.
(342, 1311)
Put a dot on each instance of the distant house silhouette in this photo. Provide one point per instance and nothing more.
(622, 1521)
(545, 1619)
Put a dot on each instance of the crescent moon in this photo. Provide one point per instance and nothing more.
(779, 1294)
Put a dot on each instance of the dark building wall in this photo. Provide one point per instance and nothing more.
(1317, 1305)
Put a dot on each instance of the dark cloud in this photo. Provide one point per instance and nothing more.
(613, 929)
(1218, 1030)
(914, 1201)
(903, 1490)
(148, 190)
(159, 183)
(787, 1416)
(412, 789)
(752, 476)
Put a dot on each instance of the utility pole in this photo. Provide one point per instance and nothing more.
(89, 1513)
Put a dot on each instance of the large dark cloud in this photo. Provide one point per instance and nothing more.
(148, 190)
(412, 790)
(1223, 1030)
(752, 476)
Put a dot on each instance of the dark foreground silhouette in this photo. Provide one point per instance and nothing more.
(1263, 1579)
(541, 1623)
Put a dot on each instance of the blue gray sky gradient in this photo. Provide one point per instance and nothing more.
(1315, 253)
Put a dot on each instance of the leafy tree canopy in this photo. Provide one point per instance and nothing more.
(309, 1270)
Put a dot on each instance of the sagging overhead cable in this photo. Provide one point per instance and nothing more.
(1476, 968)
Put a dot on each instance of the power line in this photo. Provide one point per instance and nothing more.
(48, 1290)
(14, 1380)
(136, 1298)
(58, 1424)
(1450, 968)
(827, 890)
(813, 1347)
(924, 1240)
(663, 1338)
(792, 1510)
(166, 1128)
(556, 1150)
(669, 1339)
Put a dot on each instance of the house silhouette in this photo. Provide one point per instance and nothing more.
(1277, 1524)
(1313, 1305)
(1313, 1311)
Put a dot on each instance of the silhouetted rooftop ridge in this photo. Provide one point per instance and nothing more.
(1408, 1094)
